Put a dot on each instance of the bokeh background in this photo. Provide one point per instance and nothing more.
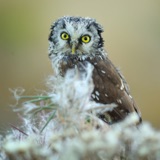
(132, 39)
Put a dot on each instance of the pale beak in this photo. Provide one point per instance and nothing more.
(73, 48)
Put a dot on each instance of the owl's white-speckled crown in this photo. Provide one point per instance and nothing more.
(75, 27)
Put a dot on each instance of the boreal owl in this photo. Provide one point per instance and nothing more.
(75, 41)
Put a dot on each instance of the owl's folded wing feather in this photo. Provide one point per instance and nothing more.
(111, 87)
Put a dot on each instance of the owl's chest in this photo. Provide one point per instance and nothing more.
(105, 83)
(72, 63)
(108, 86)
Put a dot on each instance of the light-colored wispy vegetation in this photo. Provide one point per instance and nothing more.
(62, 124)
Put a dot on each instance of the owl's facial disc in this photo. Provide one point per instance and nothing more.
(76, 44)
(75, 36)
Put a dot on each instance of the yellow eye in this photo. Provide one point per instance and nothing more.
(86, 38)
(64, 36)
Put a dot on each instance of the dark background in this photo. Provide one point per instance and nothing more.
(132, 39)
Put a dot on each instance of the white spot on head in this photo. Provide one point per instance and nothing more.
(100, 57)
(95, 63)
(91, 58)
(83, 58)
(97, 93)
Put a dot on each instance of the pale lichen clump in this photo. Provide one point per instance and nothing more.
(63, 125)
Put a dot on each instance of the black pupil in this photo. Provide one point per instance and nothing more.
(85, 38)
(65, 35)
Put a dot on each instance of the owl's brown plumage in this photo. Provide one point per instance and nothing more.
(81, 43)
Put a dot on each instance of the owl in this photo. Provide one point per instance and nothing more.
(76, 41)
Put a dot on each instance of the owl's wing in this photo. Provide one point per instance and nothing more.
(111, 87)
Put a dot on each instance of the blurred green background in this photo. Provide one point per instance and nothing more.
(132, 39)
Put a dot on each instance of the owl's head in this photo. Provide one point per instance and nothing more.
(75, 36)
